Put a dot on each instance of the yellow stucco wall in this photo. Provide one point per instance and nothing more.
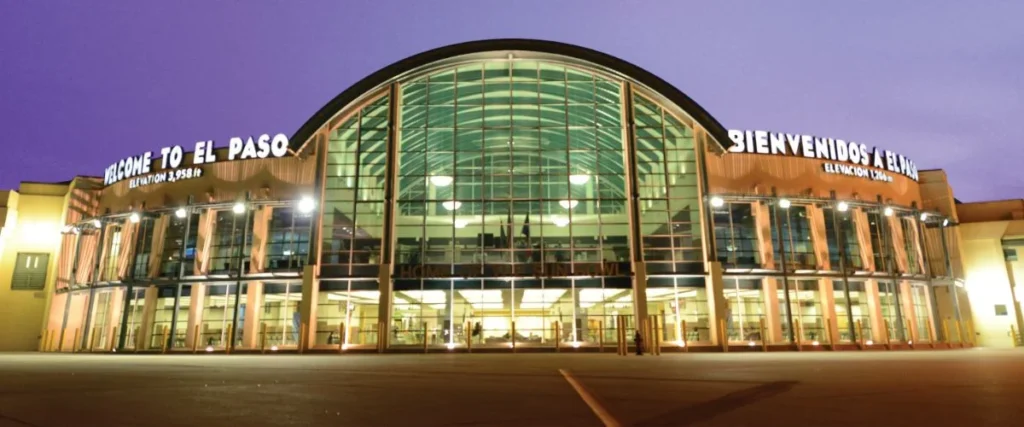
(32, 221)
(987, 281)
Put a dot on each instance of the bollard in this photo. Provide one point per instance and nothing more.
(888, 336)
(227, 344)
(686, 347)
(60, 340)
(513, 336)
(74, 345)
(137, 340)
(381, 335)
(657, 337)
(425, 342)
(960, 333)
(831, 337)
(304, 337)
(1013, 335)
(931, 333)
(600, 336)
(195, 340)
(163, 347)
(624, 337)
(799, 335)
(263, 337)
(860, 334)
(113, 337)
(618, 336)
(469, 337)
(341, 337)
(908, 333)
(723, 337)
(945, 333)
(43, 340)
(558, 338)
(970, 332)
(92, 339)
(764, 338)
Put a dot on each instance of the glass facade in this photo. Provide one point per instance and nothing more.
(791, 233)
(498, 203)
(736, 240)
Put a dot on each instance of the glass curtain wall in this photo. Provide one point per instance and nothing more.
(683, 304)
(858, 307)
(287, 240)
(910, 246)
(736, 236)
(794, 225)
(805, 304)
(505, 166)
(100, 324)
(887, 300)
(744, 309)
(136, 304)
(218, 312)
(143, 248)
(666, 174)
(229, 228)
(841, 236)
(174, 240)
(280, 320)
(922, 312)
(110, 267)
(353, 215)
(346, 313)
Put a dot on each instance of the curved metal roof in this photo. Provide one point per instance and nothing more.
(412, 63)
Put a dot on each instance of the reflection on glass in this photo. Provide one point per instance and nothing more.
(922, 312)
(683, 304)
(136, 305)
(279, 318)
(744, 309)
(218, 312)
(860, 312)
(794, 225)
(347, 313)
(514, 162)
(736, 236)
(887, 300)
(805, 306)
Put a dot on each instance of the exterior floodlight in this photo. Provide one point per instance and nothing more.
(945, 222)
(924, 216)
(306, 205)
(717, 202)
(96, 223)
(134, 217)
(568, 204)
(785, 203)
(441, 180)
(843, 206)
(238, 208)
(452, 205)
(180, 213)
(560, 221)
(579, 179)
(887, 211)
(451, 346)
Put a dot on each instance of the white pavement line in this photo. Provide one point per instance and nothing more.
(600, 411)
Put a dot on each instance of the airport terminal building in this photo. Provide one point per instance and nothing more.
(505, 195)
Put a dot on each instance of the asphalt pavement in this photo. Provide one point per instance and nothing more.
(976, 387)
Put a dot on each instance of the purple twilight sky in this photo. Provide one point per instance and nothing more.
(83, 83)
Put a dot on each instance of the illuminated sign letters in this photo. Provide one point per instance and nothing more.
(138, 168)
(843, 153)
